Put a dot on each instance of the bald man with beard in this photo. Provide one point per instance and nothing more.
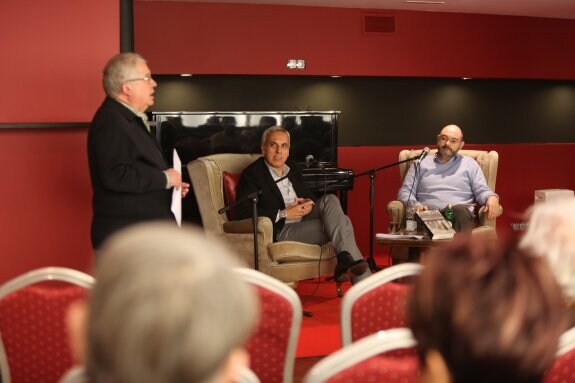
(449, 178)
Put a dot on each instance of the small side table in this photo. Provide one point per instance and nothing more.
(409, 241)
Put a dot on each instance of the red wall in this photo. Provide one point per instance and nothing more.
(202, 38)
(45, 194)
(53, 53)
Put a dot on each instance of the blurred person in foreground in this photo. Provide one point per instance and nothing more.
(167, 307)
(551, 234)
(131, 180)
(485, 311)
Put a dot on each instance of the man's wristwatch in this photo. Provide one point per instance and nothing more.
(283, 214)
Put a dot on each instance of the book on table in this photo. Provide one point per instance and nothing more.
(435, 224)
(398, 236)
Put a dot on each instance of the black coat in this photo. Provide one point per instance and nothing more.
(257, 177)
(126, 170)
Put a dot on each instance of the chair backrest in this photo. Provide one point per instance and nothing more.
(563, 368)
(206, 174)
(364, 361)
(272, 346)
(488, 161)
(376, 303)
(34, 345)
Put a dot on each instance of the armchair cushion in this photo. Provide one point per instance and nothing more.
(290, 251)
(230, 182)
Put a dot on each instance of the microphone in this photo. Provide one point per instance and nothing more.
(311, 161)
(423, 154)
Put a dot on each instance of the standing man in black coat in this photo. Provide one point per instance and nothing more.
(294, 210)
(130, 178)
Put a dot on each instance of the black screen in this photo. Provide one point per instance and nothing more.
(198, 134)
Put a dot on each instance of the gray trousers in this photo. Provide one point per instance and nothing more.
(326, 222)
(464, 219)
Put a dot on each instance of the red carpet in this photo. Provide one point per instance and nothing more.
(320, 334)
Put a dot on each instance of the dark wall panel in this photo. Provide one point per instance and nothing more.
(392, 111)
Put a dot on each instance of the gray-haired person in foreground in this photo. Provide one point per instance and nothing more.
(551, 234)
(167, 307)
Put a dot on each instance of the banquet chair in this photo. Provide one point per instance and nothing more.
(34, 344)
(272, 346)
(214, 179)
(376, 303)
(77, 374)
(488, 161)
(368, 360)
(563, 368)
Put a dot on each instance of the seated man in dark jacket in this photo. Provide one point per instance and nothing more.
(294, 210)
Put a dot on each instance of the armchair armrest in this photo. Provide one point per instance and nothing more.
(244, 226)
(397, 209)
(483, 220)
(240, 235)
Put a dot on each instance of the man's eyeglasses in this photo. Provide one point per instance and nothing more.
(145, 78)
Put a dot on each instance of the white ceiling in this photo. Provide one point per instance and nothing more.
(562, 9)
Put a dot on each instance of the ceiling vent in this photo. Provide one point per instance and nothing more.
(378, 24)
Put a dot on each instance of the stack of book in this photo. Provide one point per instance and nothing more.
(435, 224)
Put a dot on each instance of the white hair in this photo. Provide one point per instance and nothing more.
(551, 234)
(166, 307)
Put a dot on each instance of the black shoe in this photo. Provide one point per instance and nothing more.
(346, 268)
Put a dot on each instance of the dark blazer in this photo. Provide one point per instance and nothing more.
(126, 170)
(257, 177)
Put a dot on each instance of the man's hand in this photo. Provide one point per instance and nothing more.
(185, 189)
(299, 208)
(175, 178)
(492, 207)
(421, 208)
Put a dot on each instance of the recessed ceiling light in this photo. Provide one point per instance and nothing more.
(186, 75)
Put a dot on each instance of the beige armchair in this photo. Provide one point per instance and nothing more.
(287, 261)
(488, 162)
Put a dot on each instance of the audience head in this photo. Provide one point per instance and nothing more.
(551, 234)
(167, 307)
(128, 79)
(449, 142)
(484, 311)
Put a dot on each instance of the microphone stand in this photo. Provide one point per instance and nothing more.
(254, 198)
(371, 173)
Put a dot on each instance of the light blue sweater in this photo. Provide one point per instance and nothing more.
(435, 185)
